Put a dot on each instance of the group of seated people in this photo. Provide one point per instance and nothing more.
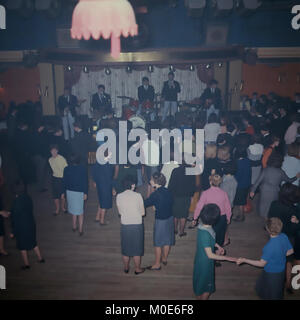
(254, 153)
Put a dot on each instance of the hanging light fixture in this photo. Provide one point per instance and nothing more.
(208, 66)
(86, 69)
(107, 18)
(220, 64)
(192, 67)
(107, 71)
(150, 68)
(69, 68)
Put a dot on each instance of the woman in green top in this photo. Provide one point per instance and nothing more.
(204, 268)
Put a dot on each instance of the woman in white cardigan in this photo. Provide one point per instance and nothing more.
(131, 209)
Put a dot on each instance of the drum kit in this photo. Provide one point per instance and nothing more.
(150, 110)
(140, 118)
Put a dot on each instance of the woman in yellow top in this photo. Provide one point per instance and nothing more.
(57, 164)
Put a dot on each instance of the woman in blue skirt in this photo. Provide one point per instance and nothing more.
(75, 181)
(164, 235)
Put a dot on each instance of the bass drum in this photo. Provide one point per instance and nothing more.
(138, 122)
(128, 112)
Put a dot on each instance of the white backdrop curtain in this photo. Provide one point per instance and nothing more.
(121, 83)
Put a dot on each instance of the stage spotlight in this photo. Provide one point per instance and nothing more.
(69, 68)
(192, 67)
(86, 69)
(107, 71)
(220, 64)
(150, 68)
(208, 66)
(128, 69)
(171, 68)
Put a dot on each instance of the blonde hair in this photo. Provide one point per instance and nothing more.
(274, 226)
(224, 153)
(215, 180)
(210, 151)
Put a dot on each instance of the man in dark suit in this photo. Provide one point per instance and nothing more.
(101, 101)
(67, 100)
(169, 94)
(145, 93)
(214, 93)
(67, 104)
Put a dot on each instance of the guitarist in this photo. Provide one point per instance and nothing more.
(67, 104)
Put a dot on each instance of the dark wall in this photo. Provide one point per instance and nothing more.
(169, 27)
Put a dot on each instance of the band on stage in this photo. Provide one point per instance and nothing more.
(149, 107)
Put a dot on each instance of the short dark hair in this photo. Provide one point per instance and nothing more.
(77, 124)
(240, 152)
(128, 181)
(101, 86)
(275, 160)
(241, 126)
(230, 168)
(289, 194)
(293, 149)
(264, 127)
(210, 214)
(19, 187)
(145, 79)
(230, 127)
(213, 118)
(213, 81)
(53, 146)
(256, 138)
(171, 73)
(159, 179)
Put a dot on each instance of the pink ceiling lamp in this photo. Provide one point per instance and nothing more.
(106, 18)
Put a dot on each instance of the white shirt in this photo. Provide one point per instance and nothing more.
(131, 207)
(291, 166)
(211, 132)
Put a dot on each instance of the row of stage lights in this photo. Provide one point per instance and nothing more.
(150, 68)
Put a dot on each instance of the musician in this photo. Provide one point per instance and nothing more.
(101, 101)
(169, 94)
(214, 93)
(145, 93)
(67, 104)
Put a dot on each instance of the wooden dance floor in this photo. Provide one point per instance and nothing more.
(90, 267)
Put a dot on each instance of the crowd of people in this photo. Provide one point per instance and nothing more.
(248, 154)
